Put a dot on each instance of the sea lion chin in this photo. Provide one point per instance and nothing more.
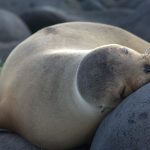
(54, 92)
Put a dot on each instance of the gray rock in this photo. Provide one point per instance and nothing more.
(139, 22)
(130, 15)
(19, 6)
(128, 126)
(40, 17)
(12, 27)
(5, 50)
(12, 141)
(12, 31)
(120, 3)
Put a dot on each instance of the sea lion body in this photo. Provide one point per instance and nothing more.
(41, 94)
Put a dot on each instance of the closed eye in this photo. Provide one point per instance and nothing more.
(147, 68)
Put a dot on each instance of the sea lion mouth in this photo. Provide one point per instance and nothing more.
(147, 68)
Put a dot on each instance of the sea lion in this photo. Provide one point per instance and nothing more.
(58, 84)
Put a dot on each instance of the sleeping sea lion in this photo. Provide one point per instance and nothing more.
(58, 84)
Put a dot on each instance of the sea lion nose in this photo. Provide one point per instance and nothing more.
(147, 68)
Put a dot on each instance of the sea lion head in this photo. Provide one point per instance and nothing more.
(110, 73)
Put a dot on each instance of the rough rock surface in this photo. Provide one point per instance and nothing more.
(128, 126)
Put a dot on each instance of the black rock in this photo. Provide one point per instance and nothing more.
(12, 31)
(12, 141)
(5, 50)
(84, 147)
(139, 22)
(132, 15)
(128, 126)
(40, 17)
(12, 28)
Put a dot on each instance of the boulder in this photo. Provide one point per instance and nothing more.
(12, 141)
(12, 28)
(40, 17)
(128, 126)
(5, 50)
(12, 31)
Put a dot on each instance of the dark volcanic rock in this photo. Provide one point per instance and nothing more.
(12, 27)
(132, 15)
(40, 17)
(12, 31)
(5, 49)
(11, 141)
(84, 147)
(128, 126)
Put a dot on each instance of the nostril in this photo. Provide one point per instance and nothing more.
(147, 68)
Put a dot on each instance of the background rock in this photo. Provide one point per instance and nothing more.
(128, 126)
(40, 17)
(11, 141)
(5, 50)
(130, 15)
(12, 31)
(12, 27)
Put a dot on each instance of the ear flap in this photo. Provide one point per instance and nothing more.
(93, 74)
